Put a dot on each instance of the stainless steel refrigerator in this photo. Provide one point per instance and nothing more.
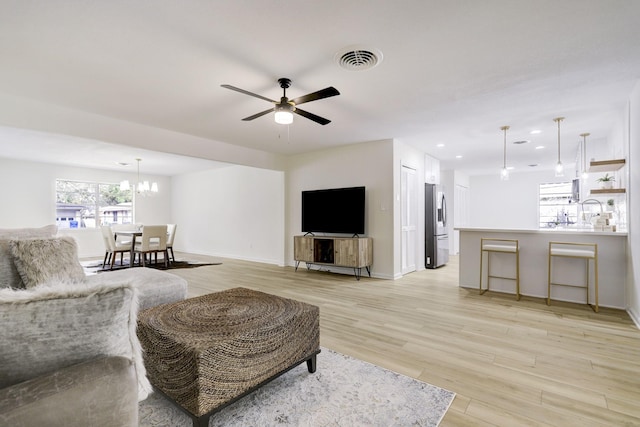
(436, 236)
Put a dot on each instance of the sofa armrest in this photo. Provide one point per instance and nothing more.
(97, 392)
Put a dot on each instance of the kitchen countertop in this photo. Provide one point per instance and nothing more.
(559, 230)
(534, 247)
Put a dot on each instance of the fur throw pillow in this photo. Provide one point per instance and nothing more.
(9, 276)
(41, 260)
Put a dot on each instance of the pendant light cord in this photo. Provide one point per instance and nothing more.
(558, 120)
(504, 161)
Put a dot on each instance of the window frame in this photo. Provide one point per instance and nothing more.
(85, 207)
(566, 209)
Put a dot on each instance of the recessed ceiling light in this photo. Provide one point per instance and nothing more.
(458, 156)
(440, 145)
(510, 168)
(539, 147)
(535, 132)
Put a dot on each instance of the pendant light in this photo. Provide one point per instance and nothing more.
(585, 174)
(504, 173)
(559, 167)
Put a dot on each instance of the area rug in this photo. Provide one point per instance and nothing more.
(94, 267)
(343, 392)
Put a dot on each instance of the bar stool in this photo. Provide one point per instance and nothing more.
(504, 246)
(586, 251)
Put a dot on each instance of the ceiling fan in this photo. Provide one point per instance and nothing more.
(286, 106)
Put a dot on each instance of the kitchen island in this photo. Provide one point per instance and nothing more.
(534, 245)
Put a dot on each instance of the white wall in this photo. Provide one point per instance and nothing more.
(234, 212)
(507, 204)
(632, 148)
(369, 164)
(29, 198)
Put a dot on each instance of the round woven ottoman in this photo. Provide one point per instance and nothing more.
(206, 352)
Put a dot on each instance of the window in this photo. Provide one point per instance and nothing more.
(557, 207)
(91, 204)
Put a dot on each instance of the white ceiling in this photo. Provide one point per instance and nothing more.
(453, 72)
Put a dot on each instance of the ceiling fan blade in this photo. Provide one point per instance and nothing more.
(255, 116)
(312, 116)
(321, 94)
(246, 92)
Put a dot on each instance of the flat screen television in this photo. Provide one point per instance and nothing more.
(335, 210)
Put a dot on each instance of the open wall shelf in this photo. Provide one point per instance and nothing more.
(597, 191)
(606, 165)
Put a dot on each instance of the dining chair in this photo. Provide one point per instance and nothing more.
(152, 241)
(112, 247)
(171, 234)
(122, 239)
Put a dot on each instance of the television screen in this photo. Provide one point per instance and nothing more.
(336, 210)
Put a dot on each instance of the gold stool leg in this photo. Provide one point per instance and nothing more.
(595, 267)
(480, 290)
(549, 276)
(518, 275)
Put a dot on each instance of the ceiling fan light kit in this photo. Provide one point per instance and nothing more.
(285, 108)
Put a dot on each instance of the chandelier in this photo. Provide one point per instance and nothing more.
(142, 188)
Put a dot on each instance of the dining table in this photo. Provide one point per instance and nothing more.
(133, 234)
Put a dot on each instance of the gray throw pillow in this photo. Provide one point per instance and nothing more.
(57, 325)
(9, 276)
(41, 260)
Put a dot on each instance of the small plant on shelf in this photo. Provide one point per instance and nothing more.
(606, 181)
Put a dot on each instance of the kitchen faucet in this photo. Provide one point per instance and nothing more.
(590, 216)
(591, 200)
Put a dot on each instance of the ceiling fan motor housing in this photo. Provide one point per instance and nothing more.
(285, 105)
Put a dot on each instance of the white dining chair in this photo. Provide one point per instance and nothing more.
(171, 234)
(152, 241)
(124, 239)
(112, 247)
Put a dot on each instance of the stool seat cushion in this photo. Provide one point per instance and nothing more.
(579, 253)
(498, 248)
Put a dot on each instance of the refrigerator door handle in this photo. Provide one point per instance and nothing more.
(444, 211)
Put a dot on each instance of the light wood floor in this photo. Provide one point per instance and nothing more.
(511, 363)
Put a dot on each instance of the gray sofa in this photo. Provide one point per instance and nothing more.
(70, 355)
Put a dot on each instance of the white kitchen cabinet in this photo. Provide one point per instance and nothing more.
(431, 170)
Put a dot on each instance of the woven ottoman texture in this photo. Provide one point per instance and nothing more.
(206, 352)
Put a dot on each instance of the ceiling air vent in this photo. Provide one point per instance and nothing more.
(358, 58)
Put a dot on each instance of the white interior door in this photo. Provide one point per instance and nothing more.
(409, 191)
